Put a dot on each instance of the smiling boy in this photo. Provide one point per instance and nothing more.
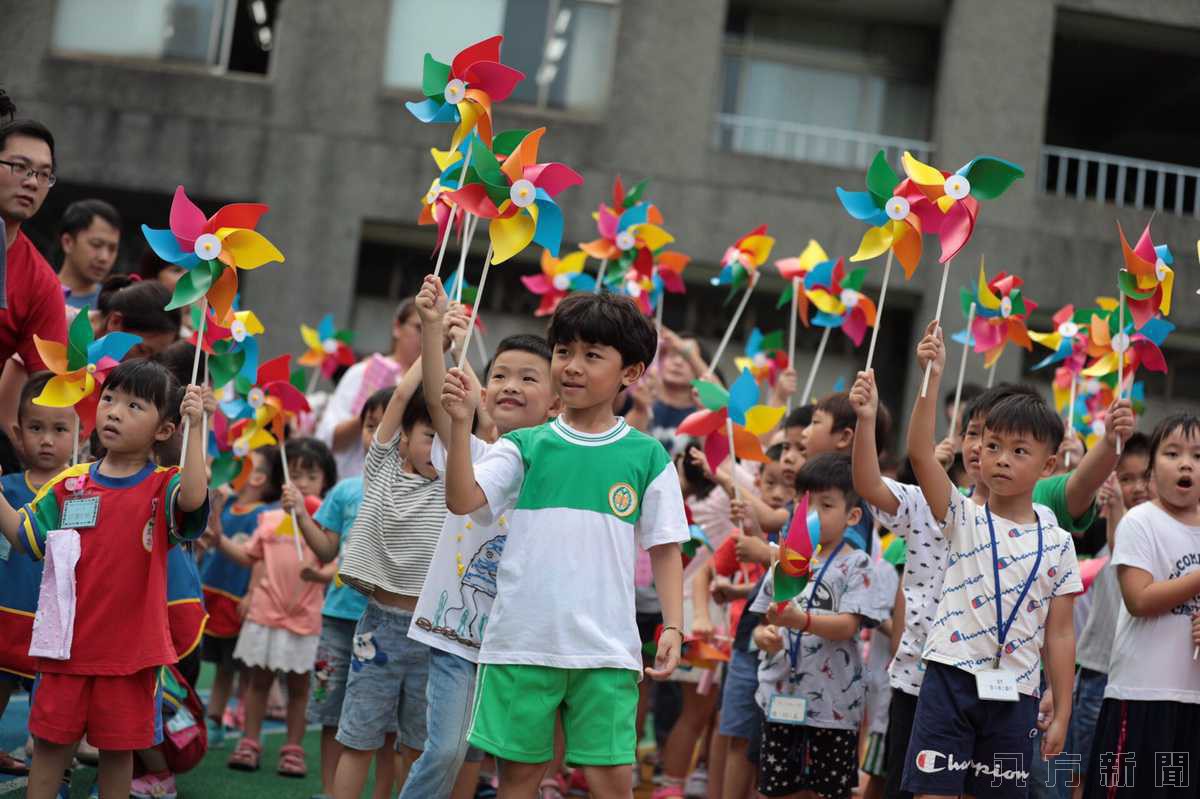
(581, 494)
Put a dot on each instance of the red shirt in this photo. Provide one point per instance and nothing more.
(121, 624)
(35, 305)
(726, 564)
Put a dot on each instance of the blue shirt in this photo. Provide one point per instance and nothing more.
(81, 300)
(20, 575)
(221, 574)
(336, 514)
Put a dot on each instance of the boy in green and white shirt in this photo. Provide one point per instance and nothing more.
(580, 494)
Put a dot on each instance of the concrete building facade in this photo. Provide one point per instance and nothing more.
(328, 144)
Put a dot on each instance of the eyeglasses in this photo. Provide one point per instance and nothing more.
(46, 178)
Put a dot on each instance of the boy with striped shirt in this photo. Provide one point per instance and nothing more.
(580, 493)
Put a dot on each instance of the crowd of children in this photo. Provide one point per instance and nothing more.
(533, 561)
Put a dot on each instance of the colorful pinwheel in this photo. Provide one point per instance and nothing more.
(630, 232)
(1147, 279)
(791, 269)
(739, 404)
(947, 203)
(765, 357)
(894, 224)
(211, 250)
(668, 271)
(559, 277)
(232, 347)
(328, 348)
(1068, 340)
(1000, 313)
(641, 289)
(792, 570)
(436, 209)
(839, 299)
(269, 399)
(743, 259)
(232, 444)
(1095, 396)
(80, 367)
(1141, 348)
(524, 190)
(463, 91)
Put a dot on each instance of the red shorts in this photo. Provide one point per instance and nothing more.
(117, 713)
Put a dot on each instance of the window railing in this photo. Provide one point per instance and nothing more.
(1121, 181)
(812, 143)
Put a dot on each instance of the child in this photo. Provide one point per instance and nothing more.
(811, 687)
(580, 493)
(284, 616)
(226, 582)
(833, 426)
(386, 559)
(103, 675)
(343, 608)
(1151, 708)
(885, 580)
(456, 601)
(1003, 595)
(44, 439)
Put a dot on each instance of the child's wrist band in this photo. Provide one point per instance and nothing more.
(807, 622)
(672, 627)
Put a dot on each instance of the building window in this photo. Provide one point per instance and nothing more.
(221, 35)
(564, 47)
(826, 89)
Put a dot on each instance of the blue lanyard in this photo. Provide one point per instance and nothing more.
(794, 649)
(1002, 626)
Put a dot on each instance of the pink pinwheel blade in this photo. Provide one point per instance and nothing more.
(987, 336)
(956, 228)
(606, 223)
(187, 221)
(553, 177)
(716, 449)
(494, 78)
(1145, 247)
(855, 326)
(538, 284)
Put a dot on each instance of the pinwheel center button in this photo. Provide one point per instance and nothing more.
(897, 208)
(849, 298)
(255, 398)
(1120, 342)
(456, 90)
(91, 367)
(1068, 330)
(330, 345)
(1160, 270)
(238, 331)
(957, 187)
(522, 193)
(207, 247)
(241, 449)
(1006, 306)
(625, 240)
(562, 282)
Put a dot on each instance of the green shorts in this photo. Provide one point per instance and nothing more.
(516, 705)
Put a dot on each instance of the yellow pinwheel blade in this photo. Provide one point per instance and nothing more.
(743, 363)
(1168, 285)
(1107, 303)
(814, 254)
(653, 236)
(761, 419)
(945, 203)
(826, 302)
(445, 158)
(986, 298)
(573, 263)
(510, 236)
(64, 391)
(260, 438)
(1102, 367)
(875, 242)
(759, 248)
(253, 326)
(920, 172)
(249, 248)
(311, 338)
(1049, 340)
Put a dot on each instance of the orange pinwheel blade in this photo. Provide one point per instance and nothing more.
(525, 155)
(54, 354)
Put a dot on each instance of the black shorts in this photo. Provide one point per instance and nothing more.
(218, 650)
(901, 712)
(963, 744)
(1145, 749)
(796, 757)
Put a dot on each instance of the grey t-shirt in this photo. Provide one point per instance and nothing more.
(1096, 640)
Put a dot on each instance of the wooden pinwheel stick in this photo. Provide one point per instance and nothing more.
(487, 265)
(75, 441)
(1071, 415)
(287, 478)
(315, 377)
(792, 332)
(737, 314)
(992, 372)
(203, 418)
(468, 235)
(937, 316)
(812, 370)
(600, 275)
(187, 423)
(887, 275)
(962, 370)
(1121, 359)
(462, 177)
(732, 458)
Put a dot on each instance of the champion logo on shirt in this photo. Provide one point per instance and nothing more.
(1016, 532)
(979, 601)
(1003, 563)
(1033, 605)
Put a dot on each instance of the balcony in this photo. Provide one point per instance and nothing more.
(1121, 181)
(793, 141)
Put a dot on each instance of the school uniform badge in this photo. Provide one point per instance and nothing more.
(622, 499)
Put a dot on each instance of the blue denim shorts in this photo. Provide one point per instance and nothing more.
(385, 691)
(328, 684)
(1089, 696)
(741, 717)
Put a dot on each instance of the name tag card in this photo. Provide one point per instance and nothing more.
(79, 514)
(787, 709)
(996, 685)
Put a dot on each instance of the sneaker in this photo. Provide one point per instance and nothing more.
(696, 786)
(216, 732)
(153, 786)
(577, 784)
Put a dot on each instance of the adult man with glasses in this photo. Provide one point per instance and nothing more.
(32, 297)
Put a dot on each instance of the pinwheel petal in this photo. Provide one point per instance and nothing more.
(758, 246)
(250, 249)
(906, 244)
(291, 399)
(1049, 340)
(511, 236)
(855, 326)
(875, 242)
(635, 215)
(1133, 262)
(921, 173)
(881, 178)
(716, 448)
(473, 198)
(548, 224)
(862, 206)
(537, 284)
(432, 111)
(553, 177)
(187, 221)
(484, 50)
(525, 155)
(956, 228)
(54, 354)
(115, 345)
(238, 215)
(990, 176)
(743, 395)
(701, 423)
(312, 339)
(1168, 285)
(223, 292)
(986, 297)
(746, 445)
(63, 391)
(654, 237)
(712, 396)
(498, 80)
(166, 246)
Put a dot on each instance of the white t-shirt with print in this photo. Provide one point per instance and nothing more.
(456, 601)
(578, 506)
(964, 631)
(1152, 656)
(829, 674)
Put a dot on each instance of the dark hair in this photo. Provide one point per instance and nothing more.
(79, 216)
(26, 127)
(844, 418)
(800, 416)
(606, 319)
(1026, 414)
(274, 487)
(830, 470)
(149, 381)
(141, 303)
(983, 403)
(178, 358)
(522, 342)
(33, 386)
(406, 309)
(415, 411)
(969, 392)
(379, 399)
(695, 475)
(7, 109)
(311, 453)
(1137, 444)
(1186, 423)
(774, 453)
(956, 469)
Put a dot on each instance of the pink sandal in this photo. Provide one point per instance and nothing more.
(291, 761)
(246, 756)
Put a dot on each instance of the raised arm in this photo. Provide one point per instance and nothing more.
(864, 457)
(1098, 464)
(460, 394)
(193, 481)
(933, 479)
(324, 544)
(431, 306)
(390, 423)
